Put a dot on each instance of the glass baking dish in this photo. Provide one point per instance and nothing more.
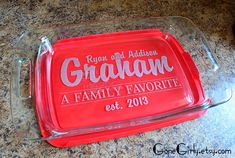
(88, 82)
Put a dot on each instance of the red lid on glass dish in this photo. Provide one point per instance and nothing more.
(95, 81)
(106, 80)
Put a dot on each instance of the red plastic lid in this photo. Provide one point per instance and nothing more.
(115, 77)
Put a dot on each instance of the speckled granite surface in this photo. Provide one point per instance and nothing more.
(216, 129)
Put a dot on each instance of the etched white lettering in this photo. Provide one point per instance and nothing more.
(107, 71)
(64, 100)
(64, 73)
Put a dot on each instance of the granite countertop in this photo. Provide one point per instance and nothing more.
(215, 130)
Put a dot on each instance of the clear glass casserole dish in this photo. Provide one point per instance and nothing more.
(83, 83)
